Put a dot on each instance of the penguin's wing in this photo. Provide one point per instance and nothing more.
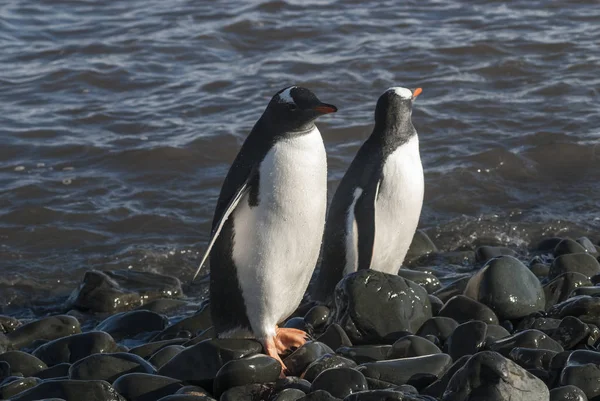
(364, 214)
(239, 193)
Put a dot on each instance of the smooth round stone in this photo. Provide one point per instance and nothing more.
(460, 258)
(8, 324)
(288, 394)
(372, 306)
(437, 388)
(410, 346)
(340, 382)
(199, 321)
(298, 323)
(568, 246)
(525, 339)
(73, 348)
(592, 291)
(22, 362)
(145, 387)
(584, 307)
(109, 367)
(488, 375)
(544, 324)
(587, 245)
(421, 245)
(163, 305)
(462, 309)
(164, 355)
(531, 358)
(401, 371)
(439, 326)
(365, 353)
(186, 397)
(48, 328)
(334, 337)
(327, 361)
(426, 280)
(149, 349)
(559, 289)
(583, 263)
(390, 394)
(192, 390)
(508, 287)
(131, 324)
(466, 339)
(200, 363)
(249, 392)
(60, 370)
(436, 304)
(298, 361)
(541, 270)
(253, 369)
(583, 370)
(453, 289)
(207, 334)
(4, 370)
(292, 382)
(5, 344)
(70, 390)
(317, 316)
(571, 332)
(17, 386)
(496, 332)
(485, 253)
(319, 395)
(548, 244)
(567, 393)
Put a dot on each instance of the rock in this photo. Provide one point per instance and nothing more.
(292, 382)
(508, 287)
(587, 245)
(340, 382)
(109, 367)
(371, 306)
(525, 339)
(207, 334)
(496, 332)
(163, 305)
(149, 349)
(436, 304)
(164, 355)
(437, 388)
(119, 290)
(460, 258)
(544, 324)
(386, 395)
(4, 370)
(335, 337)
(253, 369)
(532, 359)
(567, 246)
(299, 323)
(22, 362)
(192, 390)
(548, 244)
(317, 316)
(462, 309)
(592, 291)
(15, 387)
(200, 363)
(186, 397)
(70, 390)
(583, 370)
(200, 321)
(365, 353)
(541, 270)
(60, 370)
(288, 394)
(488, 375)
(570, 332)
(456, 287)
(73, 348)
(421, 245)
(567, 393)
(559, 289)
(327, 361)
(299, 360)
(131, 324)
(426, 280)
(582, 263)
(485, 253)
(145, 387)
(439, 326)
(48, 328)
(319, 395)
(405, 371)
(467, 339)
(8, 324)
(249, 392)
(410, 346)
(583, 307)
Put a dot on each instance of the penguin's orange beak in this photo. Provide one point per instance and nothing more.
(325, 108)
(416, 93)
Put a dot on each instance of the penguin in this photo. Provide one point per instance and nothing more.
(268, 224)
(375, 210)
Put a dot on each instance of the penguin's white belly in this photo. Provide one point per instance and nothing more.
(398, 207)
(277, 242)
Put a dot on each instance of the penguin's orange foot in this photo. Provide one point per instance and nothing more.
(271, 350)
(285, 339)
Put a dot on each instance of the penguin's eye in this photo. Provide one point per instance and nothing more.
(292, 107)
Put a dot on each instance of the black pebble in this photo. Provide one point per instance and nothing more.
(365, 353)
(582, 370)
(319, 395)
(288, 394)
(48, 328)
(466, 339)
(131, 324)
(22, 362)
(567, 393)
(568, 246)
(249, 392)
(253, 369)
(531, 358)
(109, 367)
(327, 361)
(164, 355)
(456, 287)
(73, 348)
(439, 326)
(335, 337)
(411, 345)
(340, 382)
(525, 339)
(145, 387)
(485, 253)
(149, 349)
(462, 309)
(299, 360)
(60, 370)
(426, 280)
(317, 316)
(401, 371)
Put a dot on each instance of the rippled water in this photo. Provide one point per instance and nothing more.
(120, 119)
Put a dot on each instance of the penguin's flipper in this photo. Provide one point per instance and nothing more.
(364, 214)
(233, 202)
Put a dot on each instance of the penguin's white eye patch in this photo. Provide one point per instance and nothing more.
(402, 92)
(286, 96)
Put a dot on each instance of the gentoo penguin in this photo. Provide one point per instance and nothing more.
(376, 207)
(268, 224)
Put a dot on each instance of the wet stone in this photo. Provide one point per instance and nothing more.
(531, 358)
(164, 355)
(437, 388)
(317, 316)
(541, 270)
(571, 332)
(371, 306)
(365, 353)
(109, 367)
(131, 324)
(583, 307)
(249, 392)
(48, 328)
(390, 394)
(8, 324)
(560, 288)
(462, 309)
(145, 387)
(149, 349)
(410, 346)
(545, 324)
(60, 370)
(467, 339)
(568, 246)
(439, 326)
(15, 387)
(583, 370)
(163, 305)
(288, 394)
(186, 397)
(460, 258)
(195, 390)
(508, 287)
(582, 263)
(4, 370)
(548, 244)
(299, 360)
(496, 332)
(327, 361)
(492, 377)
(426, 280)
(436, 304)
(485, 253)
(319, 395)
(340, 382)
(404, 371)
(525, 339)
(567, 393)
(73, 348)
(292, 382)
(198, 322)
(22, 362)
(300, 324)
(587, 245)
(421, 245)
(335, 337)
(253, 369)
(71, 390)
(453, 289)
(592, 291)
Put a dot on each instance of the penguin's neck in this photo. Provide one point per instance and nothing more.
(281, 130)
(394, 131)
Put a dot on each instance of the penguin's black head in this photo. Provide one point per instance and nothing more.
(394, 106)
(295, 109)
